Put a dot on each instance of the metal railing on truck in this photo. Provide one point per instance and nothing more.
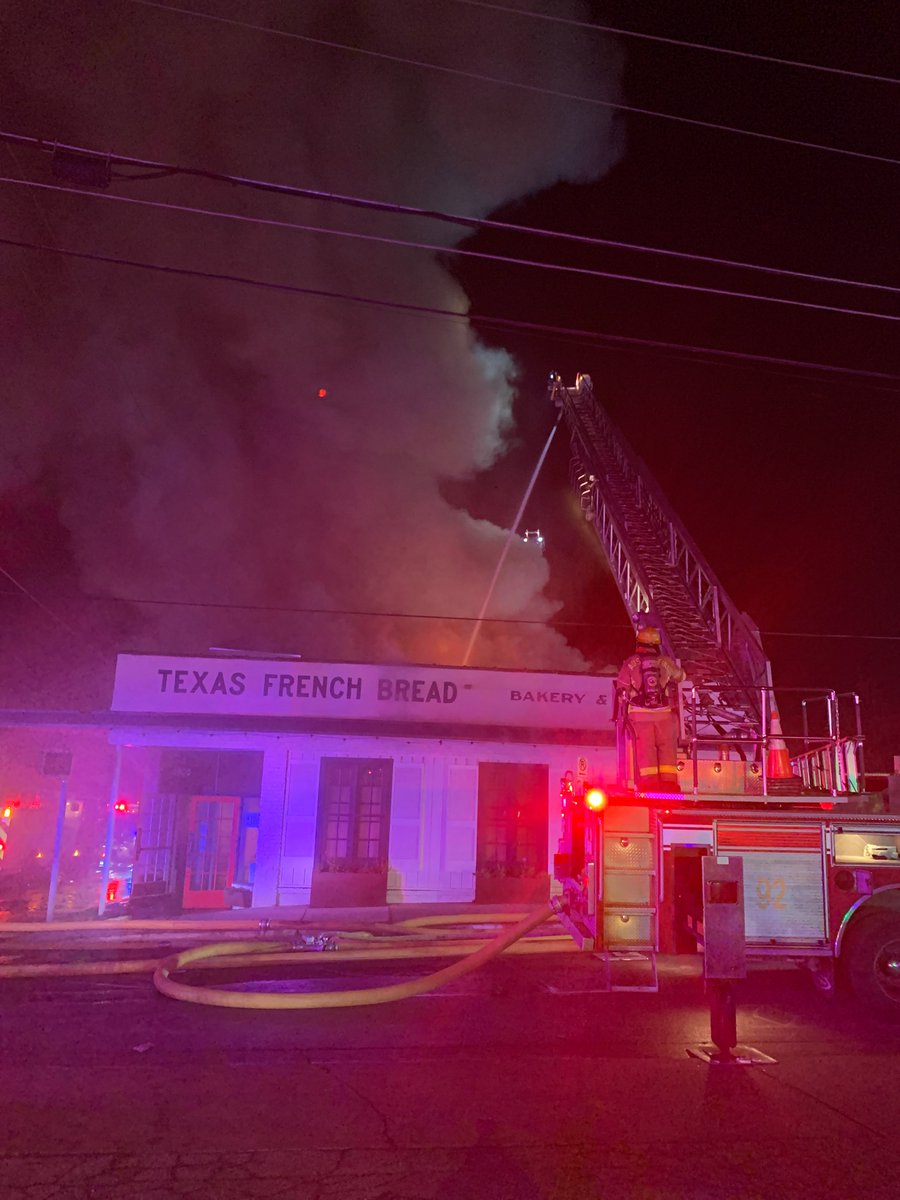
(831, 762)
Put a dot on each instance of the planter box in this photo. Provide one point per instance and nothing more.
(532, 890)
(237, 896)
(348, 889)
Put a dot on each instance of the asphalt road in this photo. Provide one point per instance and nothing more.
(520, 1082)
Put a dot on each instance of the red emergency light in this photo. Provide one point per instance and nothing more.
(595, 798)
(121, 806)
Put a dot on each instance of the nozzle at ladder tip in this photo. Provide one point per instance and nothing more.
(778, 759)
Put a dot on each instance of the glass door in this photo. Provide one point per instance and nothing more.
(154, 847)
(211, 850)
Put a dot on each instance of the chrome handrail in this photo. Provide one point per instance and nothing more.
(831, 762)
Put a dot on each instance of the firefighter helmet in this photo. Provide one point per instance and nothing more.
(648, 636)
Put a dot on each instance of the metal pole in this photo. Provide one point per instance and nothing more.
(717, 616)
(509, 540)
(110, 830)
(57, 848)
(860, 760)
(836, 748)
(764, 756)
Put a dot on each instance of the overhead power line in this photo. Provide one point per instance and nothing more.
(43, 607)
(532, 88)
(365, 203)
(505, 323)
(508, 260)
(669, 41)
(554, 622)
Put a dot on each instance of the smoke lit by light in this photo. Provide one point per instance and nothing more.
(159, 415)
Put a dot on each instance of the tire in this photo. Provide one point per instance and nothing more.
(873, 963)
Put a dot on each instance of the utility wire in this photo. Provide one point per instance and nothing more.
(413, 616)
(505, 323)
(508, 260)
(43, 607)
(406, 210)
(652, 37)
(534, 89)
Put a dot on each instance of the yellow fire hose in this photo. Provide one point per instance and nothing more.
(410, 934)
(551, 944)
(131, 926)
(351, 998)
(158, 924)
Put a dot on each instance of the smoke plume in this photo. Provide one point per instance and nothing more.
(174, 427)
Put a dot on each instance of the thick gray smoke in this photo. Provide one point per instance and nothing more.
(177, 423)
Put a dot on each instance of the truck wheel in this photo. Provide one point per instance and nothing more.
(873, 965)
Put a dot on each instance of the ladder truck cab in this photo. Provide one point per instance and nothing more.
(819, 878)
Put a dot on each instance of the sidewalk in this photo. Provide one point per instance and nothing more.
(390, 914)
(299, 914)
(76, 932)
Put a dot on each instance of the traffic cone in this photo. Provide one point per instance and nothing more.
(778, 760)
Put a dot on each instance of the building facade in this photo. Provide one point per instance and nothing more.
(282, 783)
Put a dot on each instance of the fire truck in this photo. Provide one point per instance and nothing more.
(816, 857)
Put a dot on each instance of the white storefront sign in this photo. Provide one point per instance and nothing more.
(275, 688)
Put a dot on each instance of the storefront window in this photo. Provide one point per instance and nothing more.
(354, 813)
(197, 833)
(248, 833)
(512, 819)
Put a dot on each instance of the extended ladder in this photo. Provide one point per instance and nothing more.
(660, 572)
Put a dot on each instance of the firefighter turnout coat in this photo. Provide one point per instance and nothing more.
(643, 683)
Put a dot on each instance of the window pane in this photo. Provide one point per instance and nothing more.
(512, 818)
(354, 813)
(866, 847)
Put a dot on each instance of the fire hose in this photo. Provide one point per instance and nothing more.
(350, 998)
(233, 954)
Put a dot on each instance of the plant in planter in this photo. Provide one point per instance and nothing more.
(349, 882)
(352, 866)
(512, 882)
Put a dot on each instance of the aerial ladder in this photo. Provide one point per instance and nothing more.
(776, 872)
(663, 579)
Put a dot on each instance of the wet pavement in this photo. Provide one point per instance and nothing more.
(521, 1081)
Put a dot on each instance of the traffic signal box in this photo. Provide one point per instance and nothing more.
(724, 938)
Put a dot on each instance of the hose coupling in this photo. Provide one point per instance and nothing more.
(559, 904)
(314, 941)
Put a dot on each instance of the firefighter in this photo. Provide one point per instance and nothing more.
(642, 692)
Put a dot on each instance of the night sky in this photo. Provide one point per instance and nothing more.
(164, 438)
